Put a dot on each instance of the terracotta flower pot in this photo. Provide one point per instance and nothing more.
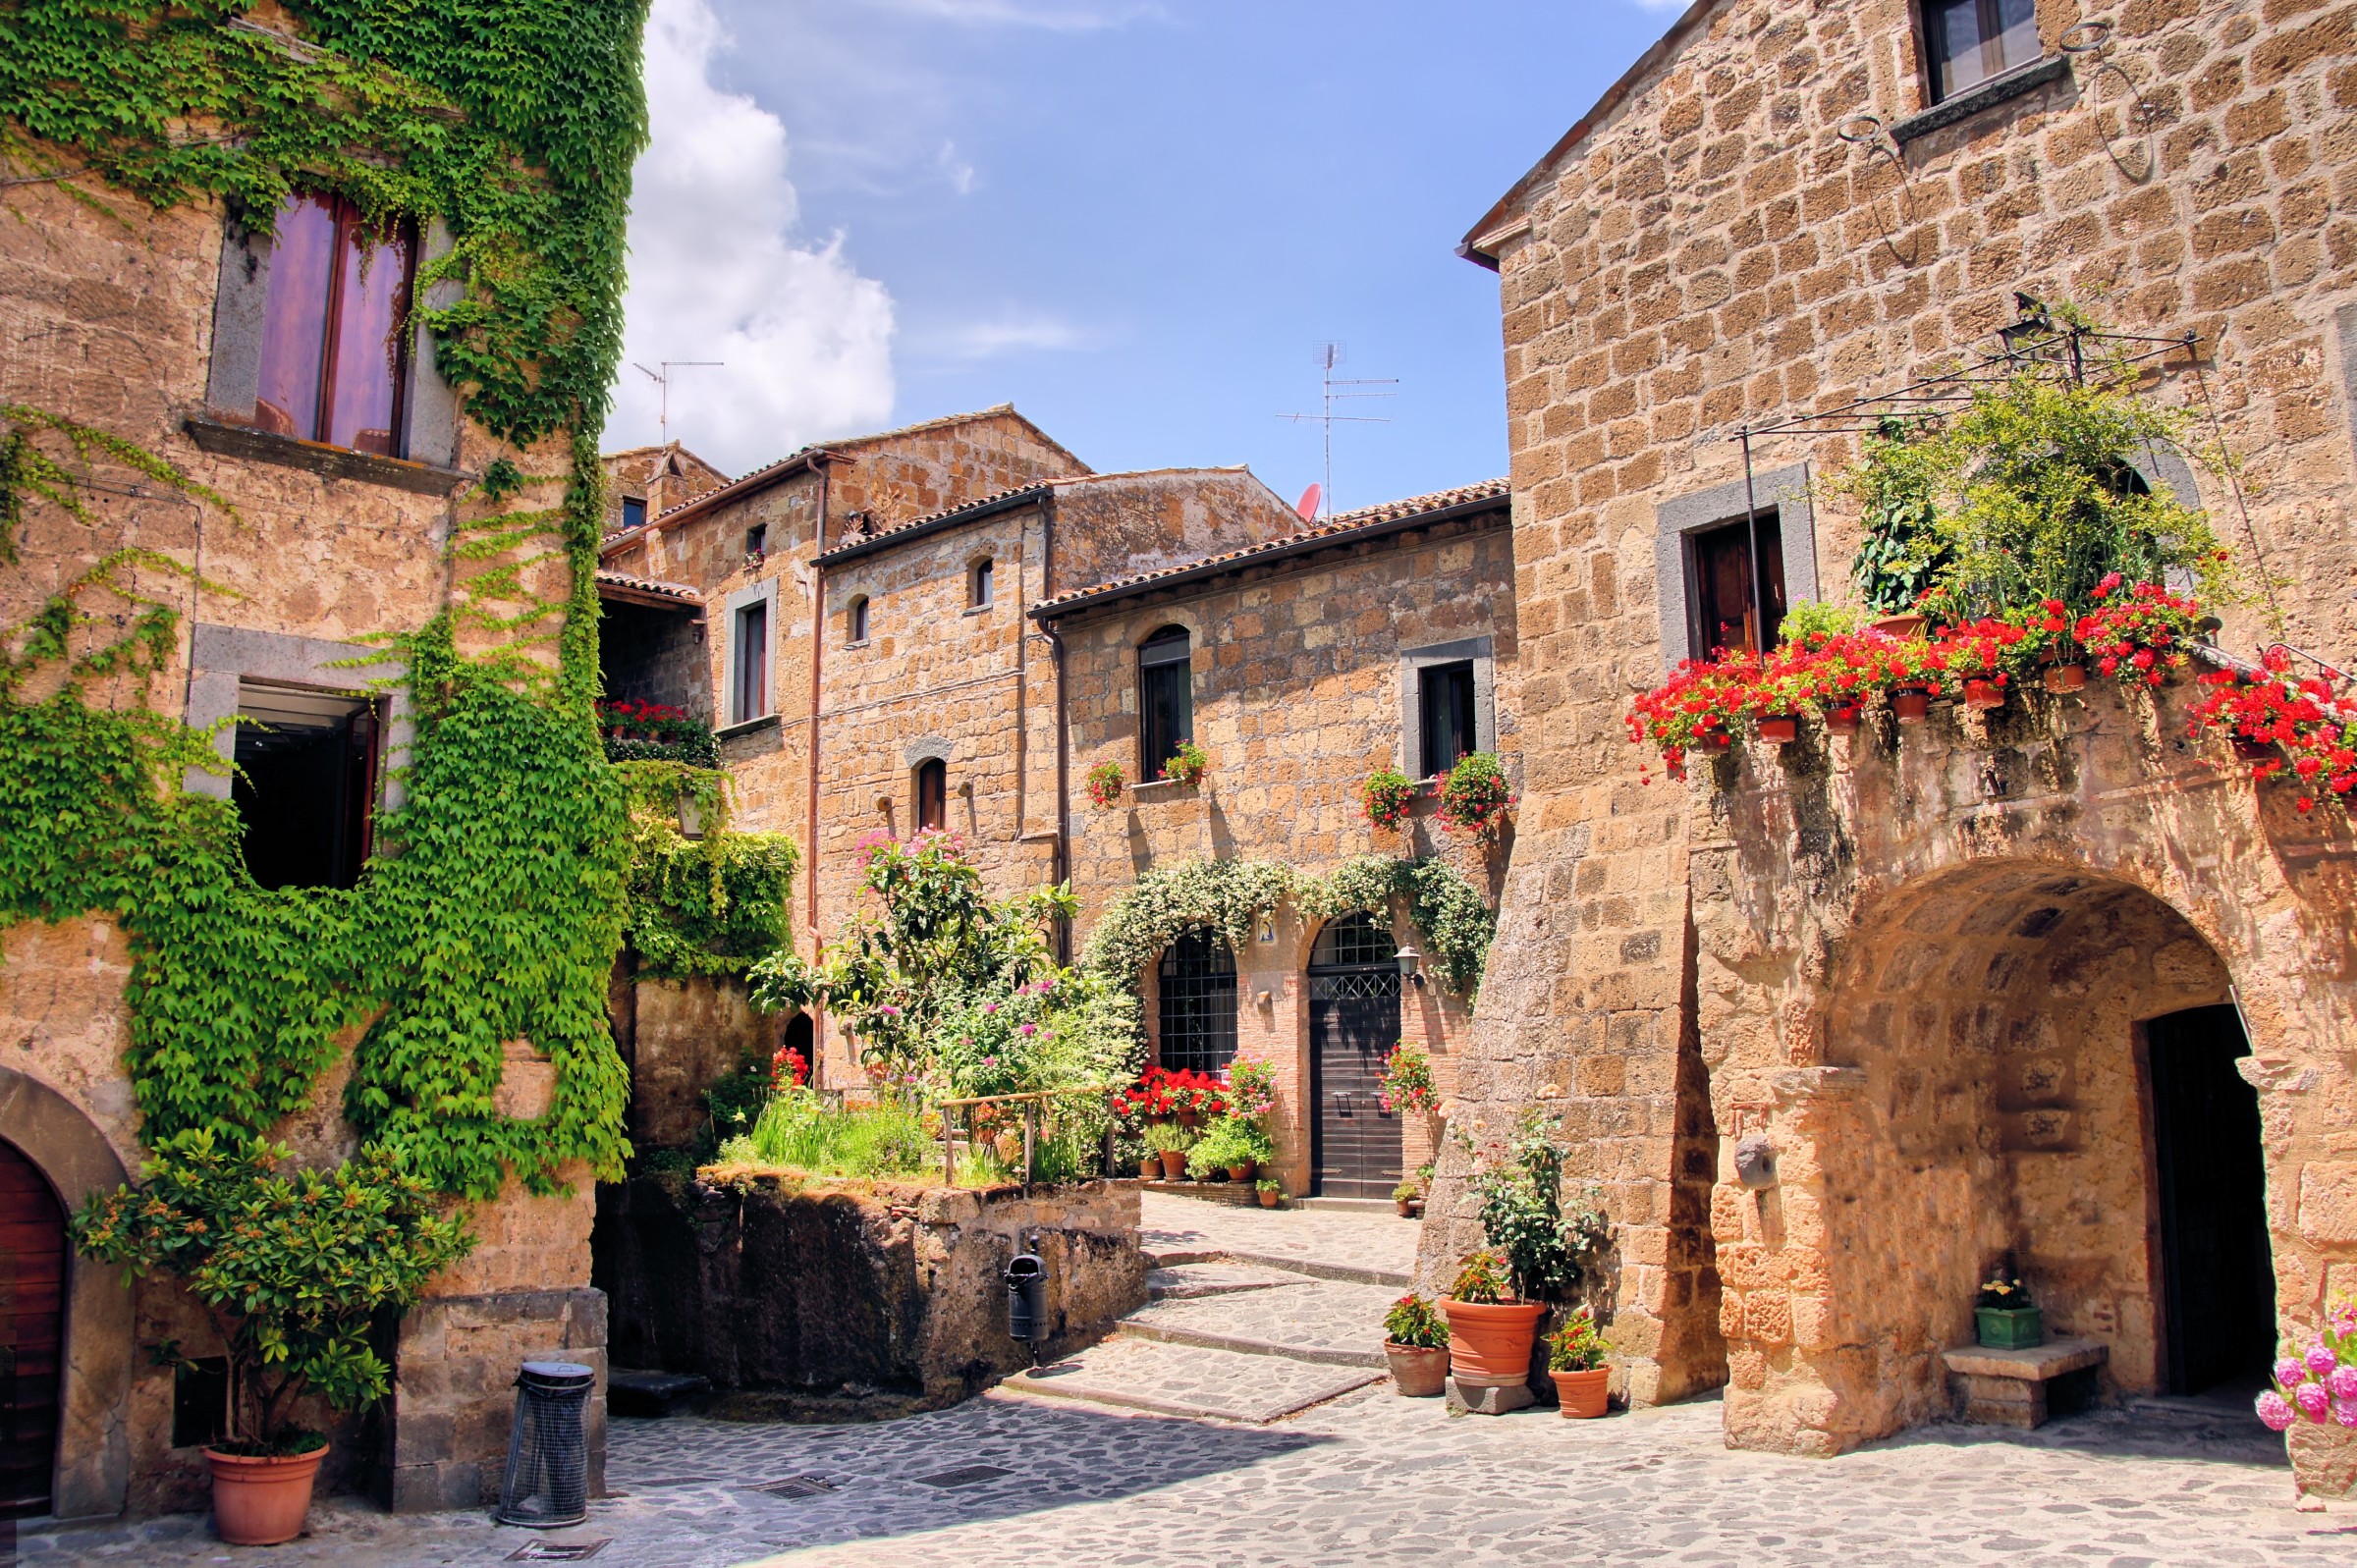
(1173, 1164)
(1983, 695)
(1912, 707)
(1900, 626)
(1581, 1395)
(2250, 749)
(1492, 1339)
(1242, 1173)
(1417, 1371)
(263, 1502)
(2064, 678)
(1406, 1206)
(1843, 721)
(1269, 1200)
(1779, 729)
(1708, 745)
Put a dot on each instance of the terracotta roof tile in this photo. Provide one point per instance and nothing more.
(652, 588)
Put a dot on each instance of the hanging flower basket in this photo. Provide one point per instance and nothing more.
(1843, 721)
(1779, 729)
(2064, 678)
(1982, 696)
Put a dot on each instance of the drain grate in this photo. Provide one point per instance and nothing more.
(797, 1487)
(558, 1550)
(968, 1476)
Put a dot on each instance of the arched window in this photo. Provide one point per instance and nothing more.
(979, 590)
(1199, 1002)
(857, 619)
(932, 792)
(1165, 698)
(1354, 939)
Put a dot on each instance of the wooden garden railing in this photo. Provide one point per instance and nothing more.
(1031, 1103)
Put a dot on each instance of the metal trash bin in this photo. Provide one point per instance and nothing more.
(1027, 1298)
(547, 1481)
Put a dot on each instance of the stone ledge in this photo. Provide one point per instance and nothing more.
(225, 439)
(1987, 95)
(2031, 1363)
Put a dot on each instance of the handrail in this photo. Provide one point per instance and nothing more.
(1030, 1099)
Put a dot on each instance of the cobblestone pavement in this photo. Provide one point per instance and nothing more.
(1379, 1248)
(1369, 1480)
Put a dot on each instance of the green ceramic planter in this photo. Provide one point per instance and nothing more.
(2009, 1328)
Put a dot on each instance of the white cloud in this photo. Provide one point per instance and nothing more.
(719, 272)
(1012, 331)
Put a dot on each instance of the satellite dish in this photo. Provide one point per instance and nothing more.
(1307, 505)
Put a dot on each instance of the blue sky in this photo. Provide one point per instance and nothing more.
(1134, 221)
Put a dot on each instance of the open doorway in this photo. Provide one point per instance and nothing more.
(2217, 1268)
(306, 785)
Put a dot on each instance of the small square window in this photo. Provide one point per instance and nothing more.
(306, 785)
(633, 512)
(1966, 42)
(1719, 574)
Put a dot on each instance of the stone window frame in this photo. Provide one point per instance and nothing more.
(220, 657)
(430, 419)
(1413, 662)
(1678, 520)
(858, 614)
(765, 594)
(982, 584)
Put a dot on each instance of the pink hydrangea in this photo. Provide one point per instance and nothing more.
(2343, 1382)
(2312, 1400)
(2291, 1372)
(2275, 1411)
(2321, 1360)
(2345, 1411)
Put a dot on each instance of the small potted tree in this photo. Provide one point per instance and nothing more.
(1575, 1361)
(291, 1264)
(1231, 1145)
(1416, 1341)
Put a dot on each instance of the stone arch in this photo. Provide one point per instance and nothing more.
(93, 1439)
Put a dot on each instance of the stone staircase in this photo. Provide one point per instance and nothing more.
(1233, 1333)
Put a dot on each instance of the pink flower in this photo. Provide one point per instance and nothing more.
(2291, 1372)
(2321, 1360)
(1030, 1029)
(2342, 1384)
(2275, 1411)
(2345, 1411)
(2312, 1400)
(990, 1006)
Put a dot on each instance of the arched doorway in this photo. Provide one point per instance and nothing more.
(33, 1302)
(2035, 1066)
(1354, 1024)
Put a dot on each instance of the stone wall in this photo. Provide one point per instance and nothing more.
(678, 1038)
(856, 1299)
(1705, 249)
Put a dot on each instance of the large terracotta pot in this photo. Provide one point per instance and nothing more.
(1492, 1339)
(1912, 707)
(2064, 678)
(1779, 729)
(1581, 1395)
(263, 1502)
(1416, 1372)
(1173, 1164)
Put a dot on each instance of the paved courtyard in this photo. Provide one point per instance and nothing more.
(1362, 1478)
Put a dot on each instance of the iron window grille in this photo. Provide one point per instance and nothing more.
(1197, 1003)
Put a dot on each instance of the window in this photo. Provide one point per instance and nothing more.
(1965, 42)
(306, 785)
(199, 1401)
(1447, 706)
(1719, 572)
(1197, 1005)
(333, 353)
(756, 543)
(749, 683)
(633, 512)
(932, 794)
(859, 619)
(978, 591)
(1358, 940)
(1165, 698)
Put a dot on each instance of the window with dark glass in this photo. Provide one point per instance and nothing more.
(748, 696)
(1965, 42)
(1719, 563)
(306, 785)
(1165, 698)
(334, 327)
(1450, 731)
(981, 589)
(756, 542)
(859, 620)
(633, 512)
(1197, 1003)
(932, 794)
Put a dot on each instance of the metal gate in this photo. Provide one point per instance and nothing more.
(1354, 1024)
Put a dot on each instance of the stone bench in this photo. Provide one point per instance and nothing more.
(2010, 1387)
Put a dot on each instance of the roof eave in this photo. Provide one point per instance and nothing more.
(975, 513)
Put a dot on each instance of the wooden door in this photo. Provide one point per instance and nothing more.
(33, 1286)
(2218, 1269)
(1354, 1024)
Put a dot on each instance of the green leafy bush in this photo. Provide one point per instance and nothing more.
(291, 1265)
(1413, 1324)
(1167, 1138)
(1226, 1143)
(1522, 1216)
(1814, 618)
(1576, 1347)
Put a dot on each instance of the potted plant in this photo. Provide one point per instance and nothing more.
(291, 1265)
(1388, 797)
(1104, 782)
(1474, 798)
(1575, 1361)
(1187, 765)
(1416, 1341)
(1234, 1144)
(1168, 1143)
(1490, 1329)
(1408, 1199)
(2005, 1315)
(1271, 1193)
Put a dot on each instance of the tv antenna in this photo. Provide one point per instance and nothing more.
(1330, 356)
(664, 381)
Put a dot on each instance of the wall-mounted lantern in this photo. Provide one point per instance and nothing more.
(1409, 960)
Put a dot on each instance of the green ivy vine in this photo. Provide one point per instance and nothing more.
(1456, 921)
(707, 905)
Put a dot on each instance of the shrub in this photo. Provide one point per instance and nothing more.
(1813, 619)
(1482, 1280)
(1229, 1142)
(800, 1130)
(1576, 1347)
(1406, 1083)
(1252, 1087)
(1167, 1138)
(1521, 1215)
(1413, 1323)
(291, 1265)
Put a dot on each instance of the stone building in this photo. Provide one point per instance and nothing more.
(1957, 986)
(267, 458)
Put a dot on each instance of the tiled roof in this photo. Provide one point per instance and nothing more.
(648, 589)
(980, 506)
(1339, 528)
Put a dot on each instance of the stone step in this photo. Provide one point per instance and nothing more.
(1307, 1267)
(1233, 1194)
(1175, 1379)
(1185, 1280)
(1349, 1206)
(1330, 1324)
